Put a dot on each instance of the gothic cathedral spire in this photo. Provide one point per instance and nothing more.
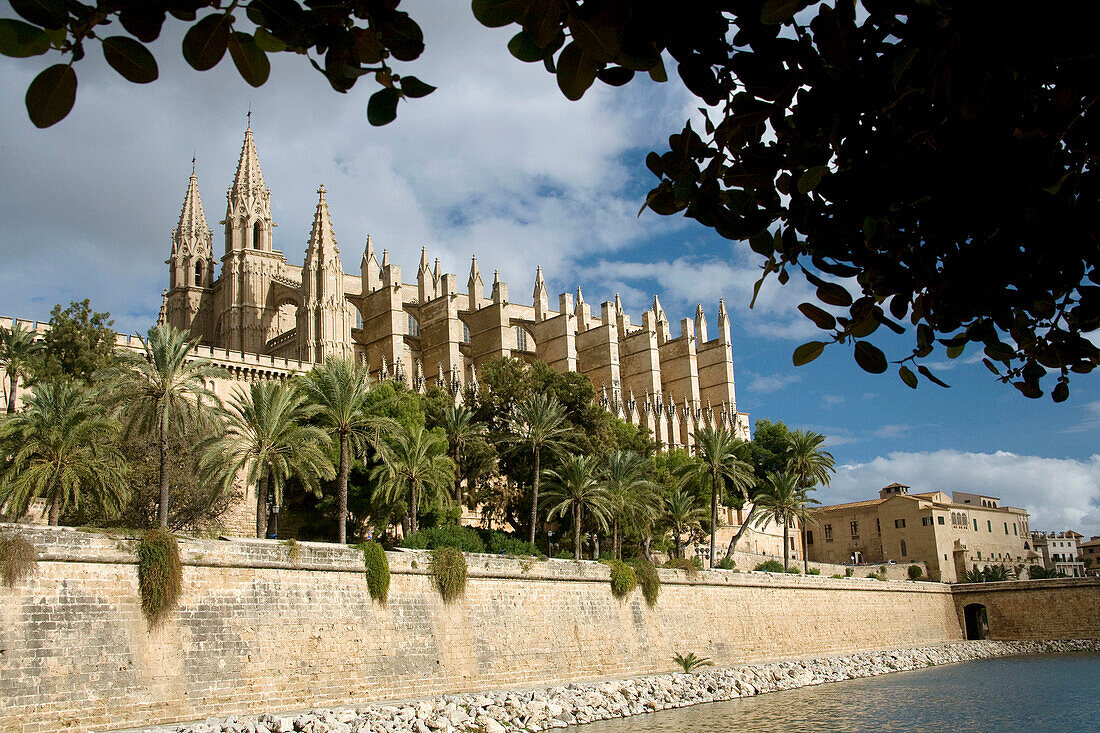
(248, 221)
(324, 320)
(191, 266)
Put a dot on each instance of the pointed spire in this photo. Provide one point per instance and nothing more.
(657, 309)
(192, 216)
(385, 258)
(322, 239)
(437, 275)
(162, 317)
(249, 177)
(580, 296)
(723, 322)
(368, 251)
(618, 303)
(700, 324)
(424, 259)
(474, 287)
(539, 296)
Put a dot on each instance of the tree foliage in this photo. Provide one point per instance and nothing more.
(911, 161)
(79, 343)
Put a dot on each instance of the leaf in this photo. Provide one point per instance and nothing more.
(142, 20)
(1000, 352)
(808, 181)
(658, 72)
(270, 43)
(20, 40)
(954, 352)
(543, 21)
(576, 72)
(927, 374)
(595, 33)
(497, 13)
(870, 358)
(807, 352)
(130, 59)
(821, 318)
(1029, 390)
(779, 11)
(1060, 393)
(249, 58)
(402, 36)
(49, 14)
(908, 377)
(382, 107)
(524, 48)
(206, 42)
(615, 76)
(834, 294)
(51, 95)
(414, 88)
(990, 367)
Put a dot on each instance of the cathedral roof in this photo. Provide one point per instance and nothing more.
(192, 218)
(249, 176)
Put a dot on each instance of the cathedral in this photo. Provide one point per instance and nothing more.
(261, 304)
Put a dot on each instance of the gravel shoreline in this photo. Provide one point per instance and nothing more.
(585, 702)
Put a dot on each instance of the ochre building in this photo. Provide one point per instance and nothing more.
(428, 331)
(950, 533)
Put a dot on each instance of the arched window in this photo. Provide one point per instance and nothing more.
(465, 334)
(521, 339)
(198, 274)
(414, 326)
(358, 319)
(256, 235)
(904, 553)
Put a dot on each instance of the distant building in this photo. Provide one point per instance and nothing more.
(1089, 552)
(950, 534)
(1059, 552)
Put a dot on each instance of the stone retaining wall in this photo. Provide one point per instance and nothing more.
(293, 626)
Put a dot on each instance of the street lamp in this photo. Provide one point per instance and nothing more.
(273, 517)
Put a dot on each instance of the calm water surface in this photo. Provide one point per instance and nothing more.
(1029, 693)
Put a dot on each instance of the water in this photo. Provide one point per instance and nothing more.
(1028, 693)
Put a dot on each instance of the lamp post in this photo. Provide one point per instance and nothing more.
(273, 517)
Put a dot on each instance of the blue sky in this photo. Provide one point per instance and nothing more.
(498, 164)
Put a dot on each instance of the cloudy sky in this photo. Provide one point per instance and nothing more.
(498, 164)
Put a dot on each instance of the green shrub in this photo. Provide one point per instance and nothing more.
(500, 543)
(448, 568)
(770, 566)
(876, 576)
(463, 538)
(838, 576)
(726, 563)
(847, 572)
(916, 572)
(813, 571)
(623, 579)
(792, 570)
(683, 563)
(648, 579)
(564, 555)
(293, 551)
(17, 558)
(160, 574)
(690, 663)
(378, 571)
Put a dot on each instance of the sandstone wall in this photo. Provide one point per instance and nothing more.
(266, 624)
(1058, 608)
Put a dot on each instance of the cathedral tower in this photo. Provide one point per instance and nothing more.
(191, 267)
(324, 319)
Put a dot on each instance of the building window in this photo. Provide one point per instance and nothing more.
(1006, 527)
(855, 529)
(414, 326)
(521, 339)
(904, 553)
(358, 319)
(198, 274)
(828, 532)
(256, 235)
(899, 524)
(878, 525)
(975, 525)
(925, 521)
(809, 537)
(939, 520)
(979, 554)
(989, 525)
(465, 334)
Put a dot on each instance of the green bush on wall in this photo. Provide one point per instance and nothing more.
(448, 569)
(160, 574)
(685, 564)
(726, 563)
(17, 558)
(647, 577)
(770, 566)
(915, 572)
(623, 579)
(465, 539)
(378, 571)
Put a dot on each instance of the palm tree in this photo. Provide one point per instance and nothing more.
(338, 391)
(575, 488)
(415, 469)
(539, 424)
(17, 347)
(268, 440)
(810, 466)
(633, 500)
(163, 391)
(462, 428)
(783, 501)
(63, 449)
(718, 463)
(681, 514)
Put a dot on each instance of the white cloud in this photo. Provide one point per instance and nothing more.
(1089, 419)
(765, 384)
(832, 400)
(892, 431)
(1059, 493)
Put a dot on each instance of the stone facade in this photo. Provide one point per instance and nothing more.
(1059, 552)
(424, 331)
(949, 534)
(262, 623)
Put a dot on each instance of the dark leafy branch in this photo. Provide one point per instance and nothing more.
(929, 162)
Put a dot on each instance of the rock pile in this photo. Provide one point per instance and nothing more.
(558, 707)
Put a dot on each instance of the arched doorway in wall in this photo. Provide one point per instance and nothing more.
(976, 621)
